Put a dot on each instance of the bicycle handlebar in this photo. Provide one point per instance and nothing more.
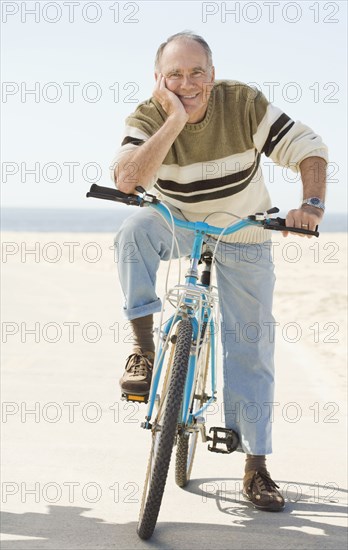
(146, 199)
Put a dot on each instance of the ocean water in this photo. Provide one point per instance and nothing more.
(101, 220)
(64, 220)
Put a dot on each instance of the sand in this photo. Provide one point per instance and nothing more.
(74, 456)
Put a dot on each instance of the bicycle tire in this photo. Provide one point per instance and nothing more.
(163, 440)
(187, 441)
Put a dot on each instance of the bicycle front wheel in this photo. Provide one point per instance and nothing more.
(187, 439)
(164, 430)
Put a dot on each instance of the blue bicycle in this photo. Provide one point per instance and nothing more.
(185, 358)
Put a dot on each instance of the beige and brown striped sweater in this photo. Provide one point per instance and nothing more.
(213, 167)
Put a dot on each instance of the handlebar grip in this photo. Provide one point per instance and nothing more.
(99, 192)
(278, 224)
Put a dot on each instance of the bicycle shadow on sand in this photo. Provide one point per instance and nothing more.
(305, 524)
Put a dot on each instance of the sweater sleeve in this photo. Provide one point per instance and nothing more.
(282, 139)
(139, 127)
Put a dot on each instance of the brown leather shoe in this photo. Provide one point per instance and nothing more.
(261, 490)
(137, 376)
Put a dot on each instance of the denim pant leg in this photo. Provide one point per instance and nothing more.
(142, 241)
(245, 277)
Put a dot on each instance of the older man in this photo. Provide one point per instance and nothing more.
(198, 142)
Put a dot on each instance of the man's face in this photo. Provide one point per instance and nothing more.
(188, 75)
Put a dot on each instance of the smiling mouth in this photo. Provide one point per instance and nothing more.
(188, 96)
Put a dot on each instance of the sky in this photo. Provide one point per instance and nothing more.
(72, 71)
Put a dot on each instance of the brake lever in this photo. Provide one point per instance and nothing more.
(273, 210)
(261, 216)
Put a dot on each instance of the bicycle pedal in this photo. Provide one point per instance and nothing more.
(229, 438)
(135, 398)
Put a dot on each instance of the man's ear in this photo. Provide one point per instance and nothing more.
(213, 73)
(156, 76)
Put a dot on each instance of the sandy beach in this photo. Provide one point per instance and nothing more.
(73, 453)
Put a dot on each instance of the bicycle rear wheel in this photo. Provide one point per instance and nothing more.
(187, 439)
(164, 430)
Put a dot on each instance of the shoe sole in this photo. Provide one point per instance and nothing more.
(129, 392)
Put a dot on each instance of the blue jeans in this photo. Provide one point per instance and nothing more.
(245, 280)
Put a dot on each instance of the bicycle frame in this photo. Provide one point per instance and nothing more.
(193, 300)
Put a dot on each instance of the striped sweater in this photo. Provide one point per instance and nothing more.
(213, 167)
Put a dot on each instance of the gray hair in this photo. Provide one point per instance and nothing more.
(185, 35)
